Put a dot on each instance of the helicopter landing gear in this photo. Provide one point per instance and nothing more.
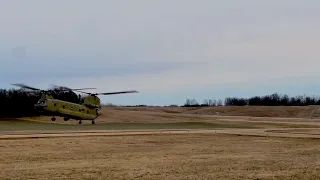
(66, 118)
(53, 119)
(80, 122)
(92, 122)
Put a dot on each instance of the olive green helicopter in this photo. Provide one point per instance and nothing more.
(88, 109)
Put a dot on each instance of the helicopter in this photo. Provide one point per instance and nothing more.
(88, 109)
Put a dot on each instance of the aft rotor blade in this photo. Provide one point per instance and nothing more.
(119, 92)
(27, 87)
(67, 88)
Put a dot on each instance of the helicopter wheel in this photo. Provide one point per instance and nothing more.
(53, 119)
(92, 122)
(80, 122)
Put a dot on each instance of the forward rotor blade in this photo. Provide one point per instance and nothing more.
(26, 87)
(82, 89)
(119, 92)
(83, 92)
(108, 93)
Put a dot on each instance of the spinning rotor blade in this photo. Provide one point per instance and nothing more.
(26, 87)
(36, 89)
(119, 92)
(83, 92)
(82, 89)
(66, 88)
(109, 93)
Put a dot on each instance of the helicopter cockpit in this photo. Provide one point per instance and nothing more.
(41, 103)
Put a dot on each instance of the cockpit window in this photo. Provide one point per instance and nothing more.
(41, 101)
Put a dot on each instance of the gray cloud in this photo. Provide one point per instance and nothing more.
(158, 45)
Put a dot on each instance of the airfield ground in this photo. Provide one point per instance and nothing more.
(166, 143)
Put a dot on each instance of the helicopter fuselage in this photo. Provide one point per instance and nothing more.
(89, 109)
(68, 110)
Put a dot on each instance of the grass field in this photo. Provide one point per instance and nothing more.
(197, 156)
(241, 147)
(252, 111)
(23, 125)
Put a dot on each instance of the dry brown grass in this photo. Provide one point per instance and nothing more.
(152, 114)
(182, 114)
(253, 111)
(180, 156)
(231, 115)
(184, 156)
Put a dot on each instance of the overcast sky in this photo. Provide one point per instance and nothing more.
(168, 50)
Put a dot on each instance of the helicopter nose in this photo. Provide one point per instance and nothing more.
(98, 112)
(39, 106)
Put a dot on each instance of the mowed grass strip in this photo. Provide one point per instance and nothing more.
(24, 125)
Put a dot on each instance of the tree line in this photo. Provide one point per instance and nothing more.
(206, 102)
(267, 100)
(20, 103)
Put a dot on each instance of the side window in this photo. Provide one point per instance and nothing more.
(63, 106)
(55, 104)
(87, 111)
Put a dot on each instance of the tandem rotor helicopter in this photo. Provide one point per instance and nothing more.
(89, 109)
